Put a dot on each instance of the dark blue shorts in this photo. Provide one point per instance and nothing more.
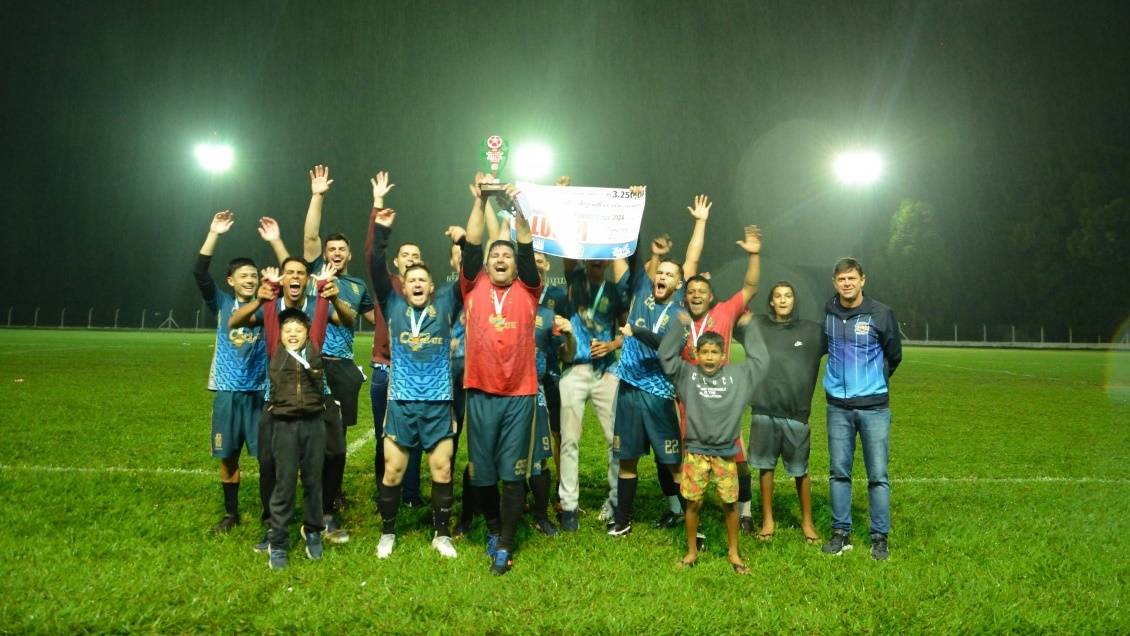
(419, 424)
(644, 421)
(235, 422)
(543, 447)
(500, 431)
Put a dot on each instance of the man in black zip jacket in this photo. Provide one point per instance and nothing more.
(864, 349)
(781, 403)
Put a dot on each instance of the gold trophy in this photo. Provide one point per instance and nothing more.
(494, 149)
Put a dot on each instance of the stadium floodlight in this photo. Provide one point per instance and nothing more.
(532, 161)
(858, 167)
(215, 158)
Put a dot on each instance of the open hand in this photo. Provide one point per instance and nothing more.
(320, 180)
(222, 222)
(381, 186)
(661, 245)
(268, 229)
(701, 208)
(751, 243)
(384, 217)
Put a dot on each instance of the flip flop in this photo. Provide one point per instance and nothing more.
(740, 568)
(762, 536)
(812, 540)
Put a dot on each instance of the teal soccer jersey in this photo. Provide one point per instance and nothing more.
(547, 343)
(239, 361)
(420, 340)
(639, 364)
(352, 290)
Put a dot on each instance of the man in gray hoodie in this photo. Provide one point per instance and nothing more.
(715, 396)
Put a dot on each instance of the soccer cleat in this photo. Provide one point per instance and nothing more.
(225, 524)
(569, 521)
(618, 530)
(746, 525)
(501, 563)
(313, 544)
(879, 550)
(277, 559)
(462, 529)
(444, 546)
(334, 533)
(414, 504)
(607, 511)
(546, 527)
(839, 543)
(264, 544)
(492, 545)
(669, 520)
(700, 541)
(385, 546)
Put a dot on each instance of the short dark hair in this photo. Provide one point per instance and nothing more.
(677, 264)
(295, 259)
(505, 242)
(711, 337)
(401, 246)
(698, 278)
(292, 314)
(338, 236)
(847, 263)
(418, 265)
(242, 261)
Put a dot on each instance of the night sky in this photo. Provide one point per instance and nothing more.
(1009, 120)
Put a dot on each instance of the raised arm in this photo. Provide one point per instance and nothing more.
(751, 243)
(473, 239)
(700, 211)
(524, 253)
(269, 232)
(327, 293)
(382, 285)
(244, 316)
(221, 223)
(320, 183)
(268, 289)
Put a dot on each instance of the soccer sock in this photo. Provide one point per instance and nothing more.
(513, 495)
(333, 472)
(388, 501)
(442, 497)
(539, 485)
(745, 490)
(682, 504)
(666, 481)
(468, 499)
(626, 496)
(231, 498)
(489, 506)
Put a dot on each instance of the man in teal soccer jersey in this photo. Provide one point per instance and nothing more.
(239, 366)
(420, 389)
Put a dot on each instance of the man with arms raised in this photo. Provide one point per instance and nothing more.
(864, 349)
(501, 371)
(239, 366)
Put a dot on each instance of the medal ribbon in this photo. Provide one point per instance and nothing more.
(498, 302)
(695, 333)
(416, 325)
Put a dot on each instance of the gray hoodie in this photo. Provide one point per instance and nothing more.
(714, 403)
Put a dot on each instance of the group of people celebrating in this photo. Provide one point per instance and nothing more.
(499, 353)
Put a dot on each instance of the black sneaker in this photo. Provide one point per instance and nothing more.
(569, 521)
(669, 520)
(618, 530)
(264, 544)
(313, 544)
(225, 524)
(546, 527)
(746, 525)
(879, 550)
(839, 543)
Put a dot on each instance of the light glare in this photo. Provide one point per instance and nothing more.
(532, 161)
(858, 167)
(214, 157)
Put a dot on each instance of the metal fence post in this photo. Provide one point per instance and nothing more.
(1041, 334)
(955, 332)
(63, 318)
(9, 316)
(143, 318)
(1070, 340)
(927, 332)
(984, 332)
(35, 318)
(1013, 333)
(198, 319)
(90, 318)
(116, 310)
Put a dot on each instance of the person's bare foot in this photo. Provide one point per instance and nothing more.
(738, 565)
(767, 529)
(689, 561)
(810, 535)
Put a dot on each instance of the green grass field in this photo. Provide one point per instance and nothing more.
(1010, 472)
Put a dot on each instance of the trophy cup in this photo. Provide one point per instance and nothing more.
(494, 150)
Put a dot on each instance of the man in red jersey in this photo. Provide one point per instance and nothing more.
(500, 374)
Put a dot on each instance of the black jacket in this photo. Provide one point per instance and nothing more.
(795, 348)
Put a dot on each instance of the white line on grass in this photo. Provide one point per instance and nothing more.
(358, 443)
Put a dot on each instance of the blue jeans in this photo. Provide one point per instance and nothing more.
(874, 428)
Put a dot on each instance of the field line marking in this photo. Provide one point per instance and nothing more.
(358, 443)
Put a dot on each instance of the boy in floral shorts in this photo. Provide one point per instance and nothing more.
(715, 395)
